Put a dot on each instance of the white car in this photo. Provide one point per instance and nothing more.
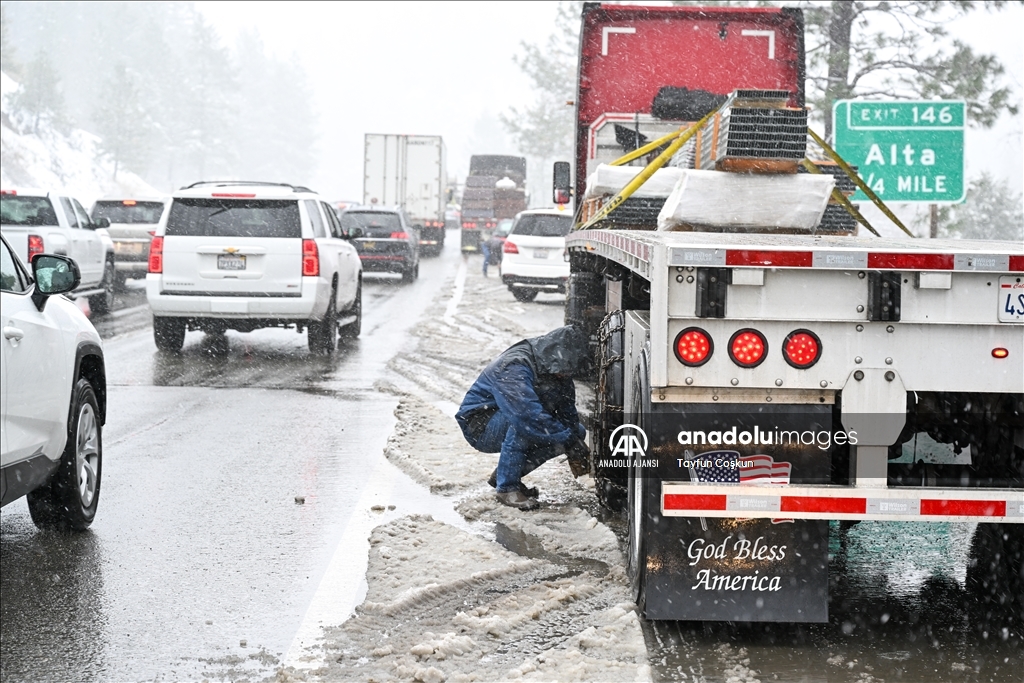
(244, 256)
(133, 222)
(534, 258)
(53, 395)
(37, 221)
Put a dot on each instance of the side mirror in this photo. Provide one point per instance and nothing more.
(53, 275)
(102, 222)
(561, 182)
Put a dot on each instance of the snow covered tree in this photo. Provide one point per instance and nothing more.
(40, 99)
(123, 122)
(993, 211)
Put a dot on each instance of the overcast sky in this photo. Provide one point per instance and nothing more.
(445, 68)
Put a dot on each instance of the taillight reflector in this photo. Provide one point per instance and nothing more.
(510, 248)
(802, 349)
(1000, 352)
(238, 195)
(310, 259)
(748, 348)
(399, 235)
(694, 347)
(156, 255)
(35, 246)
(781, 259)
(910, 261)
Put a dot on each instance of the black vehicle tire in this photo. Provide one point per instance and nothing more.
(120, 282)
(636, 552)
(322, 335)
(69, 500)
(101, 304)
(411, 273)
(995, 571)
(354, 328)
(610, 483)
(169, 333)
(524, 295)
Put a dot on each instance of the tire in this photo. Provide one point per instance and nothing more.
(169, 333)
(354, 328)
(101, 304)
(995, 571)
(120, 282)
(69, 500)
(636, 553)
(610, 483)
(524, 295)
(322, 335)
(410, 274)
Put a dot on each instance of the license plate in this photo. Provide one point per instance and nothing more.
(230, 262)
(540, 253)
(369, 246)
(128, 247)
(1011, 299)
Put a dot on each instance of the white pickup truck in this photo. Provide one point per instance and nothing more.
(37, 221)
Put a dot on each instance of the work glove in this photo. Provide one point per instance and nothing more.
(579, 457)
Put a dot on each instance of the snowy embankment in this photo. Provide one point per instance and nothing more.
(52, 160)
(531, 595)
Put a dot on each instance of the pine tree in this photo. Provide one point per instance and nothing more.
(40, 99)
(123, 121)
(992, 211)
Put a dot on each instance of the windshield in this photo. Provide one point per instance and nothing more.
(375, 224)
(234, 218)
(26, 211)
(128, 211)
(504, 227)
(543, 225)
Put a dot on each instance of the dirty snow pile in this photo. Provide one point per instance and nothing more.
(514, 595)
(51, 160)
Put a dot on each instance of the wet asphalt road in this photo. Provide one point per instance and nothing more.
(199, 543)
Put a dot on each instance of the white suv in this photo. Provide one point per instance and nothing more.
(243, 256)
(533, 256)
(53, 398)
(38, 221)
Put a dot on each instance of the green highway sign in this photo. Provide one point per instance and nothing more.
(905, 150)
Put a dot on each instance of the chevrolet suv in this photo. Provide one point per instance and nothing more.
(244, 256)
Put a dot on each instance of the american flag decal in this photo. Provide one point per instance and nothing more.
(729, 467)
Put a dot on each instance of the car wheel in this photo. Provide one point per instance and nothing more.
(410, 273)
(120, 282)
(352, 330)
(72, 495)
(101, 304)
(524, 295)
(169, 333)
(323, 334)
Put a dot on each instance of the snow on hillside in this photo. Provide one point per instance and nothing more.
(54, 161)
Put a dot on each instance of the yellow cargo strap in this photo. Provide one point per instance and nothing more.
(649, 147)
(841, 199)
(858, 182)
(644, 175)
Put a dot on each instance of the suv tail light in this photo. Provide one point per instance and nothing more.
(510, 247)
(399, 235)
(310, 259)
(35, 246)
(156, 255)
(748, 348)
(802, 349)
(694, 347)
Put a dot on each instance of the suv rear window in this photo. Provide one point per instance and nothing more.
(374, 224)
(543, 225)
(26, 211)
(128, 211)
(215, 217)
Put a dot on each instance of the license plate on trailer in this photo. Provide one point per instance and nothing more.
(230, 262)
(540, 253)
(1011, 299)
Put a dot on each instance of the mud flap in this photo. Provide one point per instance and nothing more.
(771, 570)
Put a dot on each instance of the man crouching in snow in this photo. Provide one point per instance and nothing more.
(524, 405)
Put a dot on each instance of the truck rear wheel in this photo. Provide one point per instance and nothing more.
(636, 555)
(610, 482)
(995, 570)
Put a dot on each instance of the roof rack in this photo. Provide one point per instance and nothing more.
(223, 183)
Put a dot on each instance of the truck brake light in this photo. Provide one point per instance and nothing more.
(156, 255)
(310, 259)
(694, 347)
(35, 246)
(510, 247)
(802, 349)
(399, 235)
(748, 348)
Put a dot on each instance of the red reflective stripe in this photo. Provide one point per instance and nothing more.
(823, 504)
(911, 261)
(694, 501)
(967, 508)
(1017, 264)
(783, 259)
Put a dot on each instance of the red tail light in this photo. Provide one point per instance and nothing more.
(802, 349)
(510, 248)
(471, 226)
(399, 235)
(694, 347)
(748, 348)
(310, 259)
(35, 246)
(156, 255)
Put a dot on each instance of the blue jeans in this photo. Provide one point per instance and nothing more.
(487, 255)
(519, 456)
